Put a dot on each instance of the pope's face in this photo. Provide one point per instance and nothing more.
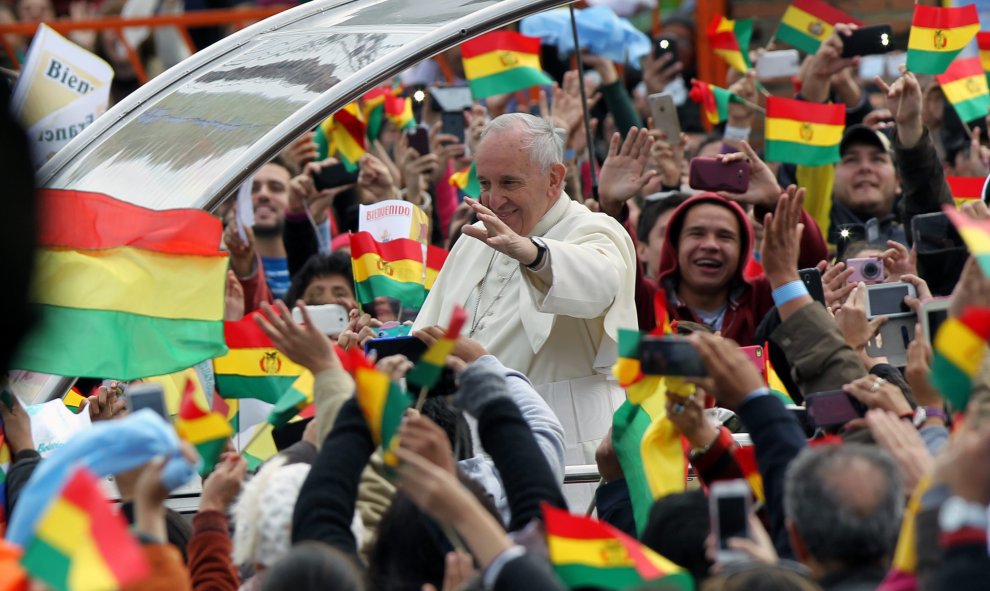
(512, 185)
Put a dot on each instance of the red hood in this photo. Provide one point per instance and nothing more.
(668, 258)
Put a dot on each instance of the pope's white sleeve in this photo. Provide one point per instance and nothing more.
(581, 279)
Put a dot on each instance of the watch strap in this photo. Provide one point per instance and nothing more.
(541, 252)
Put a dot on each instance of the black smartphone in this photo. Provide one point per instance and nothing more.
(812, 279)
(872, 40)
(419, 140)
(670, 356)
(151, 396)
(335, 175)
(453, 123)
(664, 45)
(409, 346)
(833, 409)
(933, 232)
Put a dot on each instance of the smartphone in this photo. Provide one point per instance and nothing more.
(409, 346)
(334, 175)
(664, 45)
(784, 63)
(331, 319)
(665, 118)
(933, 232)
(729, 504)
(868, 270)
(933, 314)
(812, 279)
(453, 123)
(757, 355)
(712, 174)
(419, 139)
(670, 356)
(832, 409)
(887, 299)
(151, 396)
(872, 40)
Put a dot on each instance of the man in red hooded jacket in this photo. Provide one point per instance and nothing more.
(708, 244)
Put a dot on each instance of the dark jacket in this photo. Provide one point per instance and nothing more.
(858, 579)
(749, 300)
(965, 564)
(21, 469)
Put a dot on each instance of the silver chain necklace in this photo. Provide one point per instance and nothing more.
(476, 319)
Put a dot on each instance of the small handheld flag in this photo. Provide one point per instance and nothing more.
(803, 133)
(965, 86)
(207, 431)
(730, 41)
(808, 23)
(976, 235)
(502, 62)
(958, 353)
(938, 35)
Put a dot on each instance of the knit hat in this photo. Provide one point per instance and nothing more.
(263, 513)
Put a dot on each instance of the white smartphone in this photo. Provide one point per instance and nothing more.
(933, 314)
(887, 299)
(729, 504)
(665, 118)
(778, 64)
(331, 319)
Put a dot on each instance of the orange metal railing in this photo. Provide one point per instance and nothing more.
(237, 17)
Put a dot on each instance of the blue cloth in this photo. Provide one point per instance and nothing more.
(110, 447)
(600, 31)
(277, 275)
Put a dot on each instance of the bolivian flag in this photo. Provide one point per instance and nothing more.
(260, 445)
(382, 403)
(391, 269)
(976, 235)
(435, 258)
(730, 40)
(253, 368)
(207, 431)
(343, 135)
(80, 544)
(714, 101)
(965, 86)
(983, 42)
(966, 188)
(73, 400)
(467, 181)
(586, 552)
(429, 367)
(960, 346)
(501, 62)
(293, 402)
(144, 288)
(383, 104)
(807, 23)
(938, 35)
(803, 133)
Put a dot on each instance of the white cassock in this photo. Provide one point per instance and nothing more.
(558, 325)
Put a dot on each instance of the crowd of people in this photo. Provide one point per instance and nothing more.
(555, 257)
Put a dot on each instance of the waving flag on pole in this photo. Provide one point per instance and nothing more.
(808, 23)
(730, 41)
(803, 133)
(502, 62)
(253, 368)
(976, 235)
(959, 348)
(427, 370)
(965, 86)
(207, 431)
(383, 403)
(938, 35)
(714, 100)
(467, 181)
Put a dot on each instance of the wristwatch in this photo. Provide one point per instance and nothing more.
(923, 413)
(541, 251)
(957, 513)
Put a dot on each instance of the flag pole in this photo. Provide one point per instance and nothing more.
(421, 400)
(255, 436)
(584, 106)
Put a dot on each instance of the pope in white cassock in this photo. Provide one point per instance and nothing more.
(546, 282)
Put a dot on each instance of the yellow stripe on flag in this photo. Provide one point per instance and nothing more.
(964, 89)
(437, 354)
(600, 553)
(373, 382)
(370, 264)
(67, 528)
(976, 240)
(960, 346)
(496, 62)
(807, 24)
(207, 428)
(256, 363)
(985, 60)
(811, 134)
(132, 280)
(941, 40)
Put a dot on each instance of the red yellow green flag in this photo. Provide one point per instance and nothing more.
(388, 269)
(293, 402)
(435, 258)
(260, 445)
(253, 368)
(966, 188)
(586, 552)
(343, 135)
(983, 42)
(13, 577)
(73, 400)
(938, 35)
(976, 235)
(145, 287)
(958, 353)
(80, 544)
(745, 457)
(714, 101)
(964, 84)
(429, 367)
(384, 104)
(501, 62)
(467, 181)
(207, 431)
(803, 133)
(174, 386)
(383, 403)
(807, 23)
(730, 41)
